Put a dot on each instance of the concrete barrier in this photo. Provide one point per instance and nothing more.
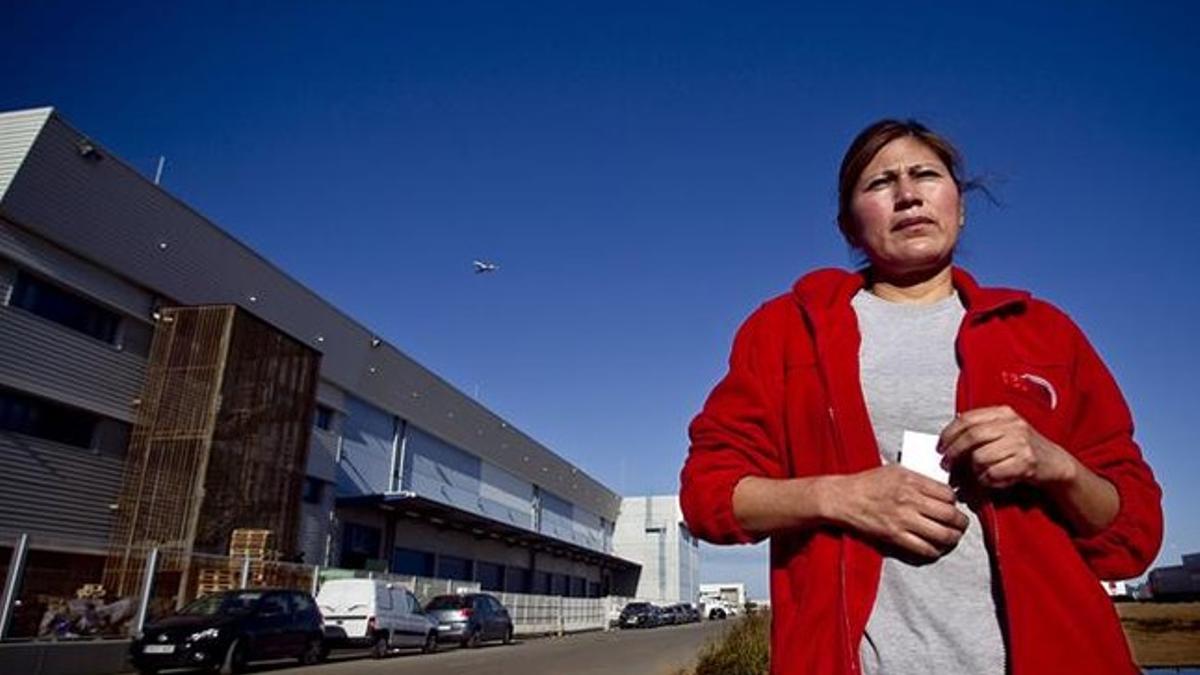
(91, 657)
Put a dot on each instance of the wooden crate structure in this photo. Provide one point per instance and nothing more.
(219, 443)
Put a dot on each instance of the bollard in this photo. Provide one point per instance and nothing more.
(143, 610)
(12, 585)
(245, 572)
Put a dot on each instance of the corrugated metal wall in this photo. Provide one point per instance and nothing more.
(47, 260)
(57, 493)
(119, 220)
(42, 358)
(18, 130)
(315, 526)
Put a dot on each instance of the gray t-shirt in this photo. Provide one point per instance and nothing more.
(938, 617)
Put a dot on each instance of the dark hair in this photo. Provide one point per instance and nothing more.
(870, 141)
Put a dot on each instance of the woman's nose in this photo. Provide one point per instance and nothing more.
(906, 195)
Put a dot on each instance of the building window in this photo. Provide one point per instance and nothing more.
(489, 575)
(560, 585)
(314, 490)
(324, 417)
(451, 567)
(411, 562)
(578, 587)
(136, 337)
(40, 418)
(64, 307)
(516, 580)
(360, 544)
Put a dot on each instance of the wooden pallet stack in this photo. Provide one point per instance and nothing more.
(215, 580)
(255, 545)
(243, 544)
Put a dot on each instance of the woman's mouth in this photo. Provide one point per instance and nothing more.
(914, 221)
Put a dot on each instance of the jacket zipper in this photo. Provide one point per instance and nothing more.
(989, 512)
(850, 655)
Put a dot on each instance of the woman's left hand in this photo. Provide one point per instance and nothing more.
(1002, 449)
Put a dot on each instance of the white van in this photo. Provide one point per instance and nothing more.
(376, 614)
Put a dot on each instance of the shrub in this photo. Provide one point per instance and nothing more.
(745, 649)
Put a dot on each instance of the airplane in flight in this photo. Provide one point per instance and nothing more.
(483, 266)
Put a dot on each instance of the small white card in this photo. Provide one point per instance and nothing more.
(918, 452)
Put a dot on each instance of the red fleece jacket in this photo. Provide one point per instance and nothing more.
(792, 406)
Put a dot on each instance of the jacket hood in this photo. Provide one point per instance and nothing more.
(823, 289)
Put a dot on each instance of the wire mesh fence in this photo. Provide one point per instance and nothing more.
(59, 594)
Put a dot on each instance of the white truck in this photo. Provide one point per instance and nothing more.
(374, 613)
(716, 608)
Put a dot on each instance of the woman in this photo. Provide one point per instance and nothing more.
(876, 568)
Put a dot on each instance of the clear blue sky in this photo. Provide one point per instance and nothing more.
(646, 174)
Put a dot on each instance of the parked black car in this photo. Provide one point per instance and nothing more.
(640, 615)
(228, 630)
(683, 613)
(470, 618)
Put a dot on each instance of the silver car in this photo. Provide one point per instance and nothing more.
(470, 619)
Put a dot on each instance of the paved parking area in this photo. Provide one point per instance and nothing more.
(656, 651)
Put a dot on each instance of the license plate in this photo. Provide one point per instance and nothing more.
(159, 649)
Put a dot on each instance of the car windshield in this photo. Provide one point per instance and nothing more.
(239, 602)
(637, 606)
(446, 602)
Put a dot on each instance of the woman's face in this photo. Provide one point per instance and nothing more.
(907, 209)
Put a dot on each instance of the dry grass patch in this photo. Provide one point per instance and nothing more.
(1162, 634)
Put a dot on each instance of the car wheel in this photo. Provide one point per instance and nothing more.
(235, 658)
(431, 643)
(380, 647)
(314, 652)
(471, 641)
(508, 635)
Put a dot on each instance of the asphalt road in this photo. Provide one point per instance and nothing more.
(656, 651)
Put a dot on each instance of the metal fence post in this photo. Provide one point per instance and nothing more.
(143, 609)
(316, 580)
(562, 621)
(245, 572)
(12, 584)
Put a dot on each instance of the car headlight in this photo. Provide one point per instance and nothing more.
(206, 634)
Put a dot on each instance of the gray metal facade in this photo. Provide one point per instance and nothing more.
(59, 494)
(99, 228)
(105, 210)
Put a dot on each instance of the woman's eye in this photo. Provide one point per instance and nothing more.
(877, 182)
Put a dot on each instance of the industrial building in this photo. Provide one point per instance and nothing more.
(163, 384)
(651, 531)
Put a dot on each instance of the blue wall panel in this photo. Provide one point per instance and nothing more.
(366, 464)
(505, 497)
(439, 471)
(556, 516)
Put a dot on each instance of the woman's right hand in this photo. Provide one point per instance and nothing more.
(901, 508)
